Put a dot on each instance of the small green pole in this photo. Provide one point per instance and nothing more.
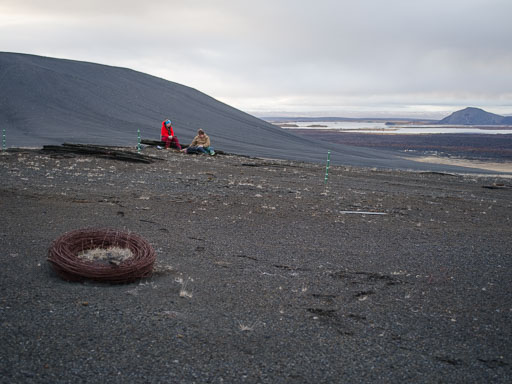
(327, 167)
(138, 140)
(4, 146)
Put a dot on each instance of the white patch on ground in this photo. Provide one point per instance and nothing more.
(113, 255)
(484, 165)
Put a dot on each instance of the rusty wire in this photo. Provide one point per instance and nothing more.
(63, 255)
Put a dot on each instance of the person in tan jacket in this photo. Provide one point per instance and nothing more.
(200, 144)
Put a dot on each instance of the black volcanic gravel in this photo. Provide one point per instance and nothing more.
(48, 101)
(264, 274)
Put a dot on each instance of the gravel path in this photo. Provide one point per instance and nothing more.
(264, 275)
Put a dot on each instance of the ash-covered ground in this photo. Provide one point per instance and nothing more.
(487, 147)
(264, 274)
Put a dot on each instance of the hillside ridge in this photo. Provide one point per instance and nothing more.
(45, 100)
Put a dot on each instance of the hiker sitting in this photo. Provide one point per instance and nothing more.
(168, 135)
(200, 144)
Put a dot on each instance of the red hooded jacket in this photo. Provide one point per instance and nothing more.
(165, 132)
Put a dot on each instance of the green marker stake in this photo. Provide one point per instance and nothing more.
(138, 140)
(327, 167)
(4, 146)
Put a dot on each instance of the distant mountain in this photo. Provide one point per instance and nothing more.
(475, 116)
(507, 120)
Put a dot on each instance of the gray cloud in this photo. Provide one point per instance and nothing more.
(392, 56)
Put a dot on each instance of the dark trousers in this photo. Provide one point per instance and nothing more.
(199, 149)
(174, 143)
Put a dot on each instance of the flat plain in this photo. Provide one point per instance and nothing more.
(265, 273)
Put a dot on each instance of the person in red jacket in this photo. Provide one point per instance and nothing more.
(168, 135)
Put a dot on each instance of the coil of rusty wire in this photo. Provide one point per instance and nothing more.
(63, 256)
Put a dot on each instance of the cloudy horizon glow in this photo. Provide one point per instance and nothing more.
(398, 58)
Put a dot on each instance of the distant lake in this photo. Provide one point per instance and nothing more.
(380, 127)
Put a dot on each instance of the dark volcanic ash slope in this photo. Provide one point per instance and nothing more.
(51, 101)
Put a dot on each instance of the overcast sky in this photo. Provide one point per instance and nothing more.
(415, 58)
